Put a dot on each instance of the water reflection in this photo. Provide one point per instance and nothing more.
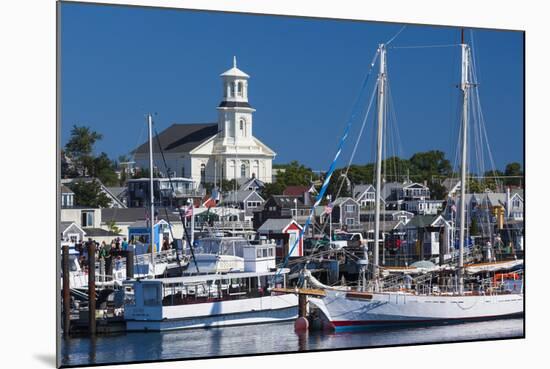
(265, 338)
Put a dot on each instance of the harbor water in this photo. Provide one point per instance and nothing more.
(270, 338)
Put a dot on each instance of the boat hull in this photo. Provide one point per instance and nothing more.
(267, 309)
(389, 309)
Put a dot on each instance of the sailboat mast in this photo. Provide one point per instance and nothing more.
(381, 93)
(151, 193)
(464, 85)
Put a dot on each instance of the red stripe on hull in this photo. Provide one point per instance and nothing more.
(350, 323)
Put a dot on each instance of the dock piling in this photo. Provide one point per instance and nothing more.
(129, 264)
(66, 292)
(91, 289)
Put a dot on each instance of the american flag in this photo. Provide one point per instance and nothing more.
(189, 211)
(328, 208)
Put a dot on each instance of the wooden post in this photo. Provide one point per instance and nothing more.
(302, 305)
(129, 263)
(66, 292)
(91, 288)
(109, 265)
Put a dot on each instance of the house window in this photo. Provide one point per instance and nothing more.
(350, 221)
(243, 170)
(516, 203)
(271, 251)
(87, 219)
(203, 173)
(350, 208)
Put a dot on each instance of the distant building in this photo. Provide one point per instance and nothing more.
(285, 232)
(249, 201)
(67, 197)
(345, 212)
(209, 152)
(173, 192)
(114, 201)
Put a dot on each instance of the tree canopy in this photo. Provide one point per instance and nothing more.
(88, 193)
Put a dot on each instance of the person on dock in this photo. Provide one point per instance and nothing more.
(124, 244)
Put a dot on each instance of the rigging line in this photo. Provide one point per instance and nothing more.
(423, 46)
(332, 167)
(358, 138)
(187, 238)
(395, 36)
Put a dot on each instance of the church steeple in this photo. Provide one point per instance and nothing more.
(235, 87)
(234, 112)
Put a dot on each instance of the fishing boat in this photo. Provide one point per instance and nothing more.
(466, 294)
(214, 299)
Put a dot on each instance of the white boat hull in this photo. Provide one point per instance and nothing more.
(391, 308)
(267, 309)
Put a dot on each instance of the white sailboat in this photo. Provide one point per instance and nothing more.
(377, 304)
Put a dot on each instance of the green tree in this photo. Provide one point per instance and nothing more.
(88, 193)
(474, 227)
(295, 174)
(103, 168)
(275, 188)
(80, 147)
(229, 185)
(513, 170)
(424, 165)
(111, 224)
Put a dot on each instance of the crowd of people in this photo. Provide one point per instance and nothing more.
(114, 249)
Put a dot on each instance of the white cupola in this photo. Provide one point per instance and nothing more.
(234, 112)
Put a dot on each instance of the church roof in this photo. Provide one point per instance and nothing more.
(234, 72)
(181, 138)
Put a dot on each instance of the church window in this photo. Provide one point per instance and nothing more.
(203, 173)
(243, 170)
(240, 89)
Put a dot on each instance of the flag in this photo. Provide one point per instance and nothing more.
(453, 208)
(189, 211)
(328, 208)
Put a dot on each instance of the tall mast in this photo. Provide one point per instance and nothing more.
(464, 85)
(381, 92)
(151, 194)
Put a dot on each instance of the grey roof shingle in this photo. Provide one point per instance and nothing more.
(180, 138)
(274, 225)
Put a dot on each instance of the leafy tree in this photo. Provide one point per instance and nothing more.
(424, 165)
(88, 193)
(80, 147)
(474, 227)
(229, 185)
(513, 169)
(103, 168)
(275, 188)
(111, 224)
(295, 174)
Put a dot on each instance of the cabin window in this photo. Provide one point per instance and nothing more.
(129, 296)
(264, 253)
(271, 251)
(150, 295)
(259, 253)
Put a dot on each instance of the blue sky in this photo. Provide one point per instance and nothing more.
(118, 63)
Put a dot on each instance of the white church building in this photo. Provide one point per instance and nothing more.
(207, 153)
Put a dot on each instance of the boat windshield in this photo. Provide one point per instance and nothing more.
(342, 236)
(221, 246)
